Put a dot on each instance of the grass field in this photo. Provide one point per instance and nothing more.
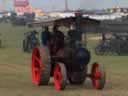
(15, 70)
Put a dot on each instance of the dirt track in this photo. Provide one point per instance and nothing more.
(16, 81)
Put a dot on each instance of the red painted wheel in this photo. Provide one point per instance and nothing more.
(41, 66)
(60, 76)
(98, 76)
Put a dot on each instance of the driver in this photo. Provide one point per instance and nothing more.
(72, 34)
(57, 39)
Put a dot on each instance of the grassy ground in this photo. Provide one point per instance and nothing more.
(15, 70)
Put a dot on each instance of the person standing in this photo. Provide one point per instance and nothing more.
(58, 39)
(45, 36)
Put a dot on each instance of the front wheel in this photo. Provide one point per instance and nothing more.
(98, 76)
(60, 76)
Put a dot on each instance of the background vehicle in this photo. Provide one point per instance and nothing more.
(117, 44)
(30, 41)
(22, 19)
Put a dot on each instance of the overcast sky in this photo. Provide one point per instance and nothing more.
(49, 5)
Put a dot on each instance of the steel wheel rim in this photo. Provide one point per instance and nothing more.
(36, 66)
(57, 77)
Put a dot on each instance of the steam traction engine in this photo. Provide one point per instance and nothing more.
(69, 63)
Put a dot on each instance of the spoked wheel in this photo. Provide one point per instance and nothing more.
(98, 76)
(60, 76)
(41, 66)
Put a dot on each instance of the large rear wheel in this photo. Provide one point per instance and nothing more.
(41, 66)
